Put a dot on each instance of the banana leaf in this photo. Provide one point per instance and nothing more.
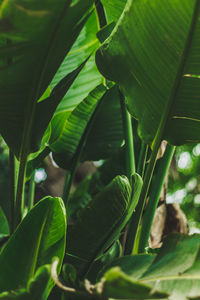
(153, 53)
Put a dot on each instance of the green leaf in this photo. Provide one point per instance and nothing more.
(83, 133)
(175, 270)
(106, 134)
(68, 133)
(117, 285)
(101, 221)
(89, 77)
(114, 9)
(37, 288)
(35, 37)
(39, 238)
(48, 106)
(153, 53)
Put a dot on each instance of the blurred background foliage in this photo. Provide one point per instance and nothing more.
(184, 183)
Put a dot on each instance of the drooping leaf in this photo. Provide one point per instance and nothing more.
(35, 37)
(175, 271)
(153, 54)
(101, 221)
(39, 238)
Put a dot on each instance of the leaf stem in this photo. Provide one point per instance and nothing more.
(155, 196)
(137, 215)
(20, 191)
(13, 185)
(128, 133)
(142, 159)
(31, 192)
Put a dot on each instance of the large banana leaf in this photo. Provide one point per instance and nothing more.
(89, 77)
(174, 273)
(35, 37)
(153, 54)
(101, 221)
(39, 238)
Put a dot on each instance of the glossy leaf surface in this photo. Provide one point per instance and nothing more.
(153, 54)
(39, 238)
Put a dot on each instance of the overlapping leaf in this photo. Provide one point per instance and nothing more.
(35, 37)
(174, 273)
(153, 54)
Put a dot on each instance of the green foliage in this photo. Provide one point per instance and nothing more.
(32, 39)
(53, 99)
(43, 233)
(92, 234)
(148, 276)
(159, 76)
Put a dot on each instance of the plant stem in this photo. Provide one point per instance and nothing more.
(13, 183)
(154, 196)
(20, 191)
(31, 192)
(142, 159)
(128, 133)
(137, 215)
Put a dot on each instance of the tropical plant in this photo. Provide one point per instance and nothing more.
(54, 100)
